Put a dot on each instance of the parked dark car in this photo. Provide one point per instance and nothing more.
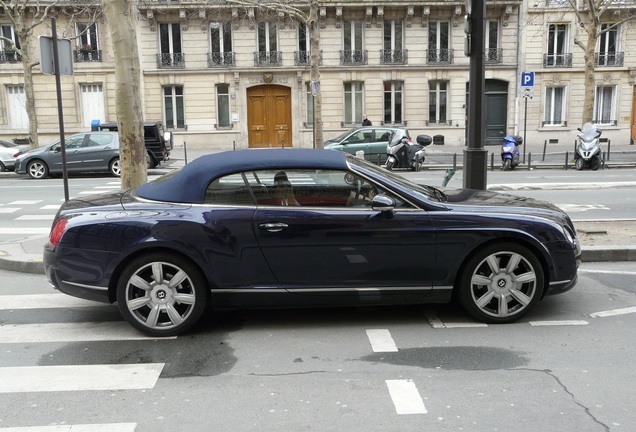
(300, 227)
(158, 142)
(85, 152)
(372, 140)
(9, 152)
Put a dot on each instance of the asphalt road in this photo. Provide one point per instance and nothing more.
(568, 366)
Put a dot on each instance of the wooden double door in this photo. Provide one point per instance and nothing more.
(269, 116)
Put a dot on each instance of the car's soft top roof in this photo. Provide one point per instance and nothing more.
(188, 185)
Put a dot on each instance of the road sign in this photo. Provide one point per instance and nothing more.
(64, 56)
(527, 79)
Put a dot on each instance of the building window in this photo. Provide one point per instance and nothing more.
(310, 105)
(223, 106)
(7, 49)
(268, 54)
(393, 49)
(352, 47)
(221, 53)
(170, 44)
(604, 105)
(393, 102)
(554, 106)
(493, 51)
(439, 42)
(557, 53)
(608, 51)
(437, 102)
(87, 43)
(173, 105)
(16, 104)
(353, 106)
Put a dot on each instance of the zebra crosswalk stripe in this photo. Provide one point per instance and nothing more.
(102, 427)
(71, 332)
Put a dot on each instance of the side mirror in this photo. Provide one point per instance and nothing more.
(56, 148)
(383, 203)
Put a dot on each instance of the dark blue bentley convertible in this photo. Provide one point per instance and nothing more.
(293, 227)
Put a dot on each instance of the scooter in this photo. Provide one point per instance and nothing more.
(403, 153)
(588, 149)
(510, 152)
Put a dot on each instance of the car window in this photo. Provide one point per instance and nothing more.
(314, 188)
(360, 136)
(99, 140)
(74, 142)
(382, 135)
(228, 190)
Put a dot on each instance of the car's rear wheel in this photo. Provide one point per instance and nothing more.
(37, 169)
(161, 294)
(501, 283)
(115, 167)
(2, 167)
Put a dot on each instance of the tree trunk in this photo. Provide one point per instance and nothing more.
(590, 82)
(314, 46)
(132, 151)
(25, 49)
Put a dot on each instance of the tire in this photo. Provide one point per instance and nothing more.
(37, 169)
(595, 164)
(161, 294)
(507, 164)
(115, 167)
(152, 162)
(579, 164)
(389, 164)
(501, 283)
(2, 167)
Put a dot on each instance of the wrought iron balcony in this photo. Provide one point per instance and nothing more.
(303, 58)
(268, 58)
(88, 55)
(353, 57)
(171, 60)
(608, 58)
(10, 57)
(393, 56)
(557, 60)
(494, 55)
(221, 59)
(440, 56)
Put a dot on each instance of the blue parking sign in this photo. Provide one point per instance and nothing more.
(527, 79)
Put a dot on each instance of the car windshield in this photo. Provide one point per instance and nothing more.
(8, 144)
(341, 136)
(425, 192)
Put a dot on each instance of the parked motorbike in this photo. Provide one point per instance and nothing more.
(510, 152)
(403, 153)
(588, 149)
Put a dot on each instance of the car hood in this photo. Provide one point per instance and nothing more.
(494, 202)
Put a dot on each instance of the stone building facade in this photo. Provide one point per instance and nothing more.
(222, 76)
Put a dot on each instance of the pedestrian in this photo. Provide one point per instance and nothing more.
(365, 120)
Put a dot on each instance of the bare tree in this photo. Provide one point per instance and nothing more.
(121, 27)
(594, 18)
(298, 11)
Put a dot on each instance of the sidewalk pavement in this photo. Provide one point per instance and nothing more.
(607, 240)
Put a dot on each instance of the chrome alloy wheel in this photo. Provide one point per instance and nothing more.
(501, 282)
(161, 294)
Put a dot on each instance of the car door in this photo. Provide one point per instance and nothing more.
(379, 142)
(359, 140)
(326, 245)
(97, 151)
(74, 155)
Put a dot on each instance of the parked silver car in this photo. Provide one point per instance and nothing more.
(85, 152)
(9, 152)
(372, 140)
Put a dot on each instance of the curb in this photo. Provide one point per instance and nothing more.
(32, 264)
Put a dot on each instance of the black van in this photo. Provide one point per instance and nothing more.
(158, 142)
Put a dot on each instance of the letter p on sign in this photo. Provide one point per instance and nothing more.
(527, 79)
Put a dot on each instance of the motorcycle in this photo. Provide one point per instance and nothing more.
(510, 152)
(588, 149)
(403, 153)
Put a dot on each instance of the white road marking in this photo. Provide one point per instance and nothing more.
(94, 192)
(103, 427)
(406, 398)
(50, 207)
(465, 325)
(381, 340)
(559, 323)
(613, 312)
(35, 217)
(629, 273)
(27, 231)
(70, 332)
(79, 377)
(44, 301)
(24, 202)
(9, 209)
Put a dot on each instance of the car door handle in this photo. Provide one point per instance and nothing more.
(273, 226)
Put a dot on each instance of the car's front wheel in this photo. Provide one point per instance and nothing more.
(161, 294)
(501, 283)
(37, 169)
(115, 167)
